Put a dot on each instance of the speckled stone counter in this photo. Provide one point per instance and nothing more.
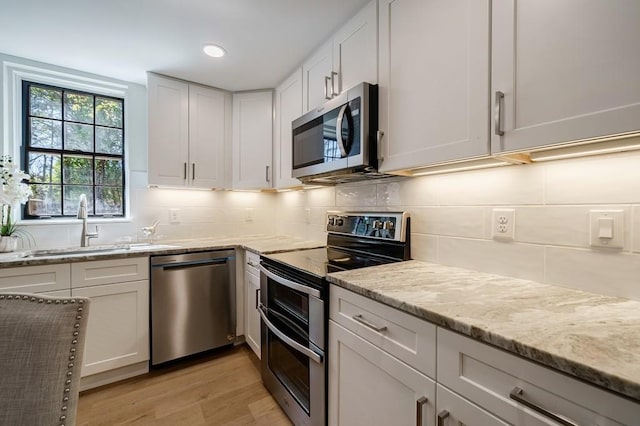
(592, 337)
(260, 244)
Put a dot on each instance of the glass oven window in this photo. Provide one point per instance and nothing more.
(291, 368)
(289, 303)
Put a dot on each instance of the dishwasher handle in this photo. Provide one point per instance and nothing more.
(192, 264)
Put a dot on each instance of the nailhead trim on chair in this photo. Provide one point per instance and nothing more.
(74, 341)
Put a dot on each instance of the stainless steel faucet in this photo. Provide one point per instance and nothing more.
(85, 236)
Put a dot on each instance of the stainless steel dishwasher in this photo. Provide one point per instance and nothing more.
(193, 303)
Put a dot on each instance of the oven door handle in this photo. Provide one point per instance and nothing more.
(288, 283)
(289, 341)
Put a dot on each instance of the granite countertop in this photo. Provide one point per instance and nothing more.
(260, 244)
(589, 336)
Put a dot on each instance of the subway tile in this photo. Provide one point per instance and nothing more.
(364, 194)
(450, 221)
(603, 271)
(635, 229)
(424, 247)
(510, 185)
(408, 192)
(320, 197)
(509, 259)
(612, 179)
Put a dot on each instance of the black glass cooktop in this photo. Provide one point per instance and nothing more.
(321, 261)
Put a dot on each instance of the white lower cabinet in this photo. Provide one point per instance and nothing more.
(118, 329)
(367, 386)
(252, 317)
(117, 343)
(382, 363)
(492, 378)
(380, 360)
(455, 410)
(45, 279)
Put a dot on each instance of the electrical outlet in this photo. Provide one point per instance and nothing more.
(307, 215)
(503, 224)
(174, 215)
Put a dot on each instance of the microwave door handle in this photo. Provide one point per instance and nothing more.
(286, 339)
(343, 149)
(288, 283)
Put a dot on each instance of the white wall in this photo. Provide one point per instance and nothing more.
(451, 219)
(202, 213)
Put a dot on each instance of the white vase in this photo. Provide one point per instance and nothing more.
(8, 243)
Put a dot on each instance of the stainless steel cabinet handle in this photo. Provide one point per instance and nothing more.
(419, 406)
(327, 92)
(185, 171)
(287, 340)
(288, 283)
(250, 263)
(498, 113)
(334, 93)
(267, 178)
(442, 416)
(193, 171)
(361, 320)
(517, 395)
(257, 298)
(379, 136)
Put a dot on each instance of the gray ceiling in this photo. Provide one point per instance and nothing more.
(265, 39)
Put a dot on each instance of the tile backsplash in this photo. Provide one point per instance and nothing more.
(452, 213)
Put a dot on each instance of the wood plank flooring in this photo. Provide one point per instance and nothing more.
(223, 388)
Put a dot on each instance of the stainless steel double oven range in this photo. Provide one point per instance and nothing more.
(294, 305)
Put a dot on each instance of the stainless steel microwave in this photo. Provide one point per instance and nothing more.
(337, 142)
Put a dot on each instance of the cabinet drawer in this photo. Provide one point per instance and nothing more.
(487, 375)
(35, 279)
(455, 410)
(85, 274)
(406, 337)
(252, 260)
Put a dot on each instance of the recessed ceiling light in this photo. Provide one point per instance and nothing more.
(213, 50)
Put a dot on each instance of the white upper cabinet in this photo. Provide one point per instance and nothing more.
(434, 81)
(288, 108)
(355, 50)
(316, 77)
(567, 72)
(252, 139)
(348, 58)
(209, 125)
(188, 126)
(168, 130)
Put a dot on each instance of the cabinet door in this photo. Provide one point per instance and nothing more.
(118, 328)
(316, 90)
(288, 108)
(252, 326)
(367, 386)
(455, 410)
(567, 72)
(168, 143)
(207, 131)
(252, 139)
(355, 50)
(434, 81)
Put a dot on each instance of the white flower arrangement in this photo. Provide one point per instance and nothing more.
(12, 193)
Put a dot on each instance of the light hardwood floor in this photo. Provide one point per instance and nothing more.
(219, 389)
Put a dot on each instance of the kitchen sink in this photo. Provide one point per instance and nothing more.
(70, 251)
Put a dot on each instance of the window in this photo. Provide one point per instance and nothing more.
(73, 143)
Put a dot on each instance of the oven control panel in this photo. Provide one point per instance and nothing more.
(383, 225)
